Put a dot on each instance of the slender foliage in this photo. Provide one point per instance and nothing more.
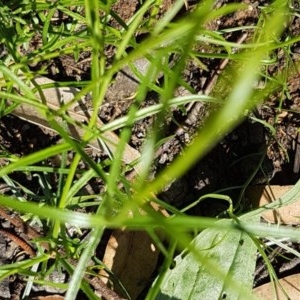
(88, 28)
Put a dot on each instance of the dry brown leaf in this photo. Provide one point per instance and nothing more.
(262, 195)
(132, 257)
(291, 285)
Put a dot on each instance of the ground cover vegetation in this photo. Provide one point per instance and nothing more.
(109, 110)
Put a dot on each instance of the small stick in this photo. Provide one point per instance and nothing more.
(19, 241)
(196, 107)
(296, 166)
(102, 288)
(20, 224)
(31, 233)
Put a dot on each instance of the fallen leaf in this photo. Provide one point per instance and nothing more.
(290, 284)
(132, 257)
(262, 195)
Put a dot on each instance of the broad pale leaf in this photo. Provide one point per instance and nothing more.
(221, 267)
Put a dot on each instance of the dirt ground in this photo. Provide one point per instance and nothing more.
(229, 164)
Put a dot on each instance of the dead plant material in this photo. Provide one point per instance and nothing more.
(132, 257)
(289, 289)
(262, 195)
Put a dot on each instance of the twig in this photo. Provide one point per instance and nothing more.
(31, 233)
(102, 288)
(296, 166)
(196, 107)
(194, 110)
(18, 241)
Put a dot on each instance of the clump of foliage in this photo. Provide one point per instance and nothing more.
(221, 259)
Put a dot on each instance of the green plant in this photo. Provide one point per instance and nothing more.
(89, 30)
